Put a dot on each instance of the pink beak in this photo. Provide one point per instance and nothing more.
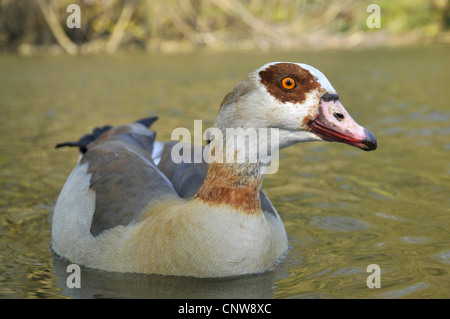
(334, 124)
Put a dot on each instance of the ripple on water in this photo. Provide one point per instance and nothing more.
(337, 223)
(405, 291)
(444, 256)
(416, 239)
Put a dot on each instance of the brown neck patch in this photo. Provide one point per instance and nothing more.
(235, 185)
(271, 78)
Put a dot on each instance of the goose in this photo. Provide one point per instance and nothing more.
(130, 206)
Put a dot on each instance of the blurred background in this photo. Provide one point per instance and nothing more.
(29, 27)
(343, 209)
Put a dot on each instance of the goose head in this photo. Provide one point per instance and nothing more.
(298, 100)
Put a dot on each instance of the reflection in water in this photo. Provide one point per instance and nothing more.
(103, 284)
(343, 208)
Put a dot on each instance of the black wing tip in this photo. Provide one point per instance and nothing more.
(71, 144)
(148, 121)
(84, 141)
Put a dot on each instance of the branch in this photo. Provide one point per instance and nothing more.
(256, 25)
(52, 21)
(178, 22)
(119, 28)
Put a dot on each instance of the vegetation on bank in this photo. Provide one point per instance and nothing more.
(30, 26)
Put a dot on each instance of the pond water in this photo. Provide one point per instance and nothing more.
(343, 208)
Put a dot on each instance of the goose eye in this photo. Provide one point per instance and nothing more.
(288, 83)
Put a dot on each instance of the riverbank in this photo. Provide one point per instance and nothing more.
(173, 26)
(314, 41)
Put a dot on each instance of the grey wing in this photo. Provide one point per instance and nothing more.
(187, 177)
(124, 178)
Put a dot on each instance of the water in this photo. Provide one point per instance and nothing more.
(343, 209)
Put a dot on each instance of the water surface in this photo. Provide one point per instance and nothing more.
(343, 208)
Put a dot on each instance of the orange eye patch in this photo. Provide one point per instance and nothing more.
(288, 83)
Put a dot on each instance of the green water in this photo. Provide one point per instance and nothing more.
(343, 208)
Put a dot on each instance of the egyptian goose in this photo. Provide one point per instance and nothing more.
(128, 206)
